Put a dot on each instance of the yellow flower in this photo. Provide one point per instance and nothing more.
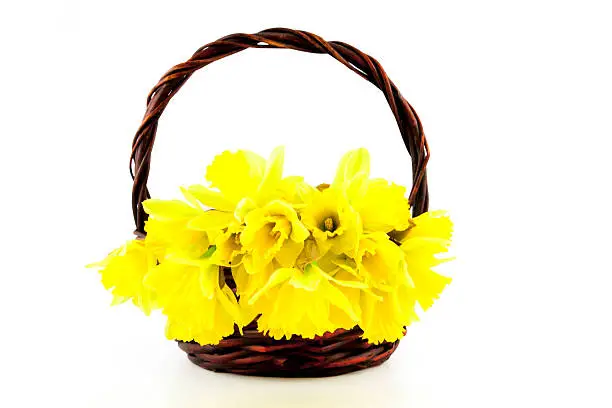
(382, 206)
(240, 182)
(167, 226)
(352, 173)
(334, 224)
(229, 251)
(385, 314)
(193, 296)
(343, 271)
(381, 262)
(388, 305)
(123, 272)
(273, 231)
(305, 303)
(429, 235)
(393, 306)
(296, 191)
(248, 282)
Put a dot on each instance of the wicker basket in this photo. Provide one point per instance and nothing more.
(253, 353)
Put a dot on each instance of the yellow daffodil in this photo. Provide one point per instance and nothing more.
(296, 191)
(194, 297)
(229, 251)
(334, 224)
(389, 305)
(302, 302)
(385, 314)
(352, 173)
(248, 282)
(428, 236)
(344, 272)
(167, 226)
(123, 272)
(273, 231)
(239, 182)
(380, 262)
(382, 206)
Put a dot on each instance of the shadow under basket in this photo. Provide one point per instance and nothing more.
(253, 353)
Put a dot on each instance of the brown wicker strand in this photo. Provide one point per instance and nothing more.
(251, 352)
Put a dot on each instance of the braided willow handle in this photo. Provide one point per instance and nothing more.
(358, 62)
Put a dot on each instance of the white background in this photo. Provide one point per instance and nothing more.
(515, 98)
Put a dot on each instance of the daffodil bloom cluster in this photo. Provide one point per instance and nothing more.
(304, 260)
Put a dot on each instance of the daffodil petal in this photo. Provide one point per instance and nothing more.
(289, 252)
(169, 209)
(278, 276)
(296, 191)
(210, 198)
(211, 220)
(117, 300)
(429, 285)
(431, 244)
(190, 198)
(356, 188)
(348, 284)
(352, 163)
(308, 280)
(299, 232)
(273, 174)
(432, 224)
(338, 299)
(236, 174)
(384, 207)
(227, 299)
(243, 208)
(209, 280)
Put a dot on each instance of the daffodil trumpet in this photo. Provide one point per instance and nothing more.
(304, 260)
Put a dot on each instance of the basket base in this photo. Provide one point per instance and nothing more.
(255, 354)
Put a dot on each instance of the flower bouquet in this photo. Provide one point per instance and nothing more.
(262, 273)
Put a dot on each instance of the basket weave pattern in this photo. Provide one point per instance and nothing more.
(253, 353)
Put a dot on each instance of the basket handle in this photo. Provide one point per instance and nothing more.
(358, 62)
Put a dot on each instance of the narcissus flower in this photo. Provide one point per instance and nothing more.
(334, 224)
(249, 280)
(295, 191)
(194, 297)
(380, 262)
(382, 206)
(123, 272)
(229, 251)
(304, 303)
(239, 182)
(167, 226)
(429, 235)
(273, 231)
(352, 173)
(395, 291)
(387, 304)
(385, 314)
